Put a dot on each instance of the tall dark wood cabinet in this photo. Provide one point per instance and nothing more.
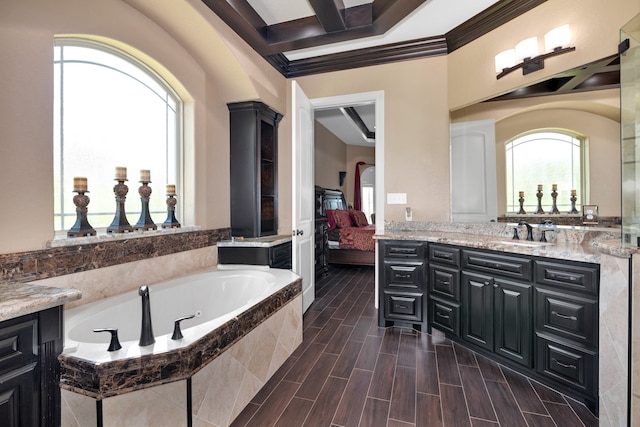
(320, 234)
(254, 169)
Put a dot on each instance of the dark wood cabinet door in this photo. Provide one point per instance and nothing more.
(477, 309)
(512, 324)
(19, 398)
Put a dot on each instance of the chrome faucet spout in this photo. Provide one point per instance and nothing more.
(146, 331)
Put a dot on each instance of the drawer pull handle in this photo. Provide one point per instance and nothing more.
(402, 251)
(567, 277)
(444, 282)
(403, 276)
(444, 316)
(564, 316)
(564, 365)
(444, 255)
(402, 306)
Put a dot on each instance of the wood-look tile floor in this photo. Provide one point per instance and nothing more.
(350, 372)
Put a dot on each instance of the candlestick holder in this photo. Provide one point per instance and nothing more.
(171, 221)
(145, 222)
(573, 199)
(554, 207)
(539, 209)
(120, 224)
(82, 226)
(521, 211)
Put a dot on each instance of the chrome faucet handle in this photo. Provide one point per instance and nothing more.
(177, 333)
(114, 345)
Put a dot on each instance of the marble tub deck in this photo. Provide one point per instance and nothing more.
(102, 379)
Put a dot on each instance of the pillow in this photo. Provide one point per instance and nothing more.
(359, 218)
(343, 219)
(331, 221)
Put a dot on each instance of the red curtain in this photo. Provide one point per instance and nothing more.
(357, 195)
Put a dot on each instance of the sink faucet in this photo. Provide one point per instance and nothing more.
(529, 230)
(146, 332)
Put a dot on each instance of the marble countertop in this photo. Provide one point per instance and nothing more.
(256, 242)
(19, 299)
(585, 252)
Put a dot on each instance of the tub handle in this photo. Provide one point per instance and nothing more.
(114, 345)
(177, 333)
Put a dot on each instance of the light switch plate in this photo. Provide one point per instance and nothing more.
(396, 198)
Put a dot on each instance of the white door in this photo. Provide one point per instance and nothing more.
(473, 172)
(303, 261)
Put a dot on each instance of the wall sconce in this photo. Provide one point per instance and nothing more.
(556, 43)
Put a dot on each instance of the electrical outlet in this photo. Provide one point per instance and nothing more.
(396, 198)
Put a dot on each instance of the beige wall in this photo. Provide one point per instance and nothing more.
(206, 57)
(416, 136)
(330, 157)
(593, 114)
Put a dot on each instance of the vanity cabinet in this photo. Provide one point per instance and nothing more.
(444, 288)
(497, 310)
(29, 370)
(536, 315)
(254, 169)
(403, 283)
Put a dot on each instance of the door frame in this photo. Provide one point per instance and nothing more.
(376, 97)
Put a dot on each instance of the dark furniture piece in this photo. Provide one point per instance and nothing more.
(254, 169)
(320, 234)
(538, 316)
(277, 255)
(403, 280)
(29, 369)
(334, 199)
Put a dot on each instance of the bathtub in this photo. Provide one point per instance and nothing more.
(227, 304)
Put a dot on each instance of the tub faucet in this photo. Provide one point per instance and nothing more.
(529, 230)
(146, 332)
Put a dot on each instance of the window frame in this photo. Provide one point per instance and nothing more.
(149, 71)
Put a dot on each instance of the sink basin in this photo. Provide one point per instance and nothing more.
(521, 243)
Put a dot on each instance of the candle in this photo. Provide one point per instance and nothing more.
(554, 187)
(145, 175)
(171, 189)
(573, 192)
(79, 184)
(539, 187)
(521, 193)
(121, 173)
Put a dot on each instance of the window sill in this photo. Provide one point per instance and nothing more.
(61, 240)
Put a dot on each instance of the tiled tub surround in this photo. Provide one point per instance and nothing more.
(601, 246)
(68, 256)
(226, 367)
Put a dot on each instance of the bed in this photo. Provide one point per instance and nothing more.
(349, 233)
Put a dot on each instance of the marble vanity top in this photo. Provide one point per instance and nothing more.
(568, 243)
(19, 299)
(257, 242)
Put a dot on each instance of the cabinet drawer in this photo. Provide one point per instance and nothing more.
(503, 265)
(404, 274)
(407, 250)
(444, 255)
(18, 344)
(281, 255)
(569, 364)
(398, 306)
(566, 315)
(444, 282)
(577, 277)
(444, 315)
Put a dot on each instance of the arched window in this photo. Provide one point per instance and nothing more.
(111, 110)
(545, 157)
(368, 191)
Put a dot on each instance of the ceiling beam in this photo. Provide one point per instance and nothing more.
(330, 13)
(351, 113)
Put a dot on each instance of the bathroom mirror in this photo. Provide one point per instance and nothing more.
(594, 113)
